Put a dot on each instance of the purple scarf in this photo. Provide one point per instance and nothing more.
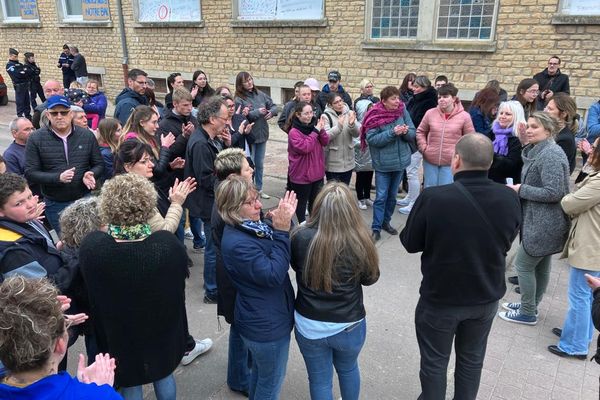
(501, 140)
(376, 116)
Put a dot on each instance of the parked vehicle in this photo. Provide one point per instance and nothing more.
(3, 94)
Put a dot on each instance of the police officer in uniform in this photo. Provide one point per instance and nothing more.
(21, 76)
(35, 85)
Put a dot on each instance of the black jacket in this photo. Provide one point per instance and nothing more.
(20, 74)
(35, 71)
(23, 248)
(463, 260)
(125, 102)
(324, 95)
(172, 123)
(566, 140)
(508, 166)
(558, 82)
(79, 66)
(45, 160)
(344, 303)
(200, 158)
(421, 103)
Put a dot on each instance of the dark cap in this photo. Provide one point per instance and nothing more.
(334, 76)
(29, 54)
(65, 46)
(56, 101)
(14, 52)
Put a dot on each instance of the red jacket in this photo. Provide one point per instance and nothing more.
(306, 156)
(437, 136)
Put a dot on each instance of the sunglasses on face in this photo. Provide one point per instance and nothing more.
(63, 113)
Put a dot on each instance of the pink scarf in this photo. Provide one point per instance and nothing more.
(378, 115)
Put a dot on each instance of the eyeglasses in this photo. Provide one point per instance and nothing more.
(532, 91)
(307, 113)
(251, 202)
(62, 113)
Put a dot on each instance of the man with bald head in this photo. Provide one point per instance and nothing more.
(51, 88)
(462, 279)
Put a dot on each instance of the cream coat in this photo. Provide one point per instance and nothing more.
(582, 248)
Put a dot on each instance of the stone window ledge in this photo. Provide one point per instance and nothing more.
(478, 47)
(20, 24)
(565, 19)
(190, 24)
(85, 24)
(236, 23)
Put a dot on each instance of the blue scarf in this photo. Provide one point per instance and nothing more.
(501, 138)
(260, 229)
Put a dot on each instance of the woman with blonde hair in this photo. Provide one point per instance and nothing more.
(563, 107)
(544, 182)
(333, 256)
(507, 131)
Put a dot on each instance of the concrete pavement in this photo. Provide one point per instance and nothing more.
(517, 364)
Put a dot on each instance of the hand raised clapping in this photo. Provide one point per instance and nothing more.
(282, 215)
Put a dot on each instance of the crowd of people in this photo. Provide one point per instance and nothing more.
(119, 192)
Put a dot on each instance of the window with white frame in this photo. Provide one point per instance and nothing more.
(84, 10)
(432, 20)
(580, 7)
(19, 10)
(169, 11)
(72, 9)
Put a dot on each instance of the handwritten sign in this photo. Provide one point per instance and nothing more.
(95, 10)
(28, 9)
(169, 10)
(583, 7)
(268, 10)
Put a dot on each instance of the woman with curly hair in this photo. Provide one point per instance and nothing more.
(33, 341)
(136, 283)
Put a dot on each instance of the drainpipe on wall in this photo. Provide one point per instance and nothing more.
(125, 61)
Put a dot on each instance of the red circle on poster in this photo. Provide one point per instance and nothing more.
(163, 12)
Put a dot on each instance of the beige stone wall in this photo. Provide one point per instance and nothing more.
(279, 56)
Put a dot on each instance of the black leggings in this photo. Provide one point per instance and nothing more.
(363, 184)
(306, 193)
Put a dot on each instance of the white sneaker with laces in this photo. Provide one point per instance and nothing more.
(263, 195)
(202, 346)
(402, 202)
(369, 202)
(362, 205)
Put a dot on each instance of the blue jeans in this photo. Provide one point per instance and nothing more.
(578, 329)
(53, 210)
(258, 151)
(196, 228)
(180, 232)
(385, 197)
(340, 351)
(238, 362)
(210, 263)
(164, 389)
(269, 362)
(436, 175)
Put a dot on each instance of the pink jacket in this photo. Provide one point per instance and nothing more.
(437, 136)
(306, 156)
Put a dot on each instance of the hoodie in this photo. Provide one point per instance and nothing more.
(59, 386)
(125, 102)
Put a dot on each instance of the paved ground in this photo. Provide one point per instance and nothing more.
(517, 365)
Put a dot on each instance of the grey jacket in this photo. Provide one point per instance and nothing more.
(256, 100)
(339, 153)
(545, 181)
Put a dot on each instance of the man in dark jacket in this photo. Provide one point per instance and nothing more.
(461, 284)
(551, 81)
(65, 60)
(79, 66)
(132, 96)
(63, 158)
(202, 148)
(334, 85)
(21, 76)
(425, 98)
(35, 85)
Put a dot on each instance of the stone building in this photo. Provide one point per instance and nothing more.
(282, 41)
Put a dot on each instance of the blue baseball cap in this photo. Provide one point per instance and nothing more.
(56, 101)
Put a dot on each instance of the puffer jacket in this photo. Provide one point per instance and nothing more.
(45, 160)
(437, 136)
(125, 102)
(391, 152)
(339, 153)
(256, 100)
(96, 104)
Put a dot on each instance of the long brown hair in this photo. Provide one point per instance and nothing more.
(566, 105)
(486, 100)
(342, 237)
(107, 128)
(134, 124)
(524, 85)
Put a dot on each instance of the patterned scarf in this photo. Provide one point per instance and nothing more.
(501, 138)
(378, 115)
(259, 228)
(131, 232)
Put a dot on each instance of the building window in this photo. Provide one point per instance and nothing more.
(19, 10)
(459, 24)
(395, 19)
(168, 11)
(84, 11)
(73, 9)
(580, 7)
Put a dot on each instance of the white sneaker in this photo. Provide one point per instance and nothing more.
(202, 346)
(188, 234)
(402, 202)
(405, 210)
(362, 205)
(263, 195)
(369, 202)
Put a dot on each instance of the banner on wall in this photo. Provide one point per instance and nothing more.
(169, 10)
(28, 9)
(95, 10)
(270, 10)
